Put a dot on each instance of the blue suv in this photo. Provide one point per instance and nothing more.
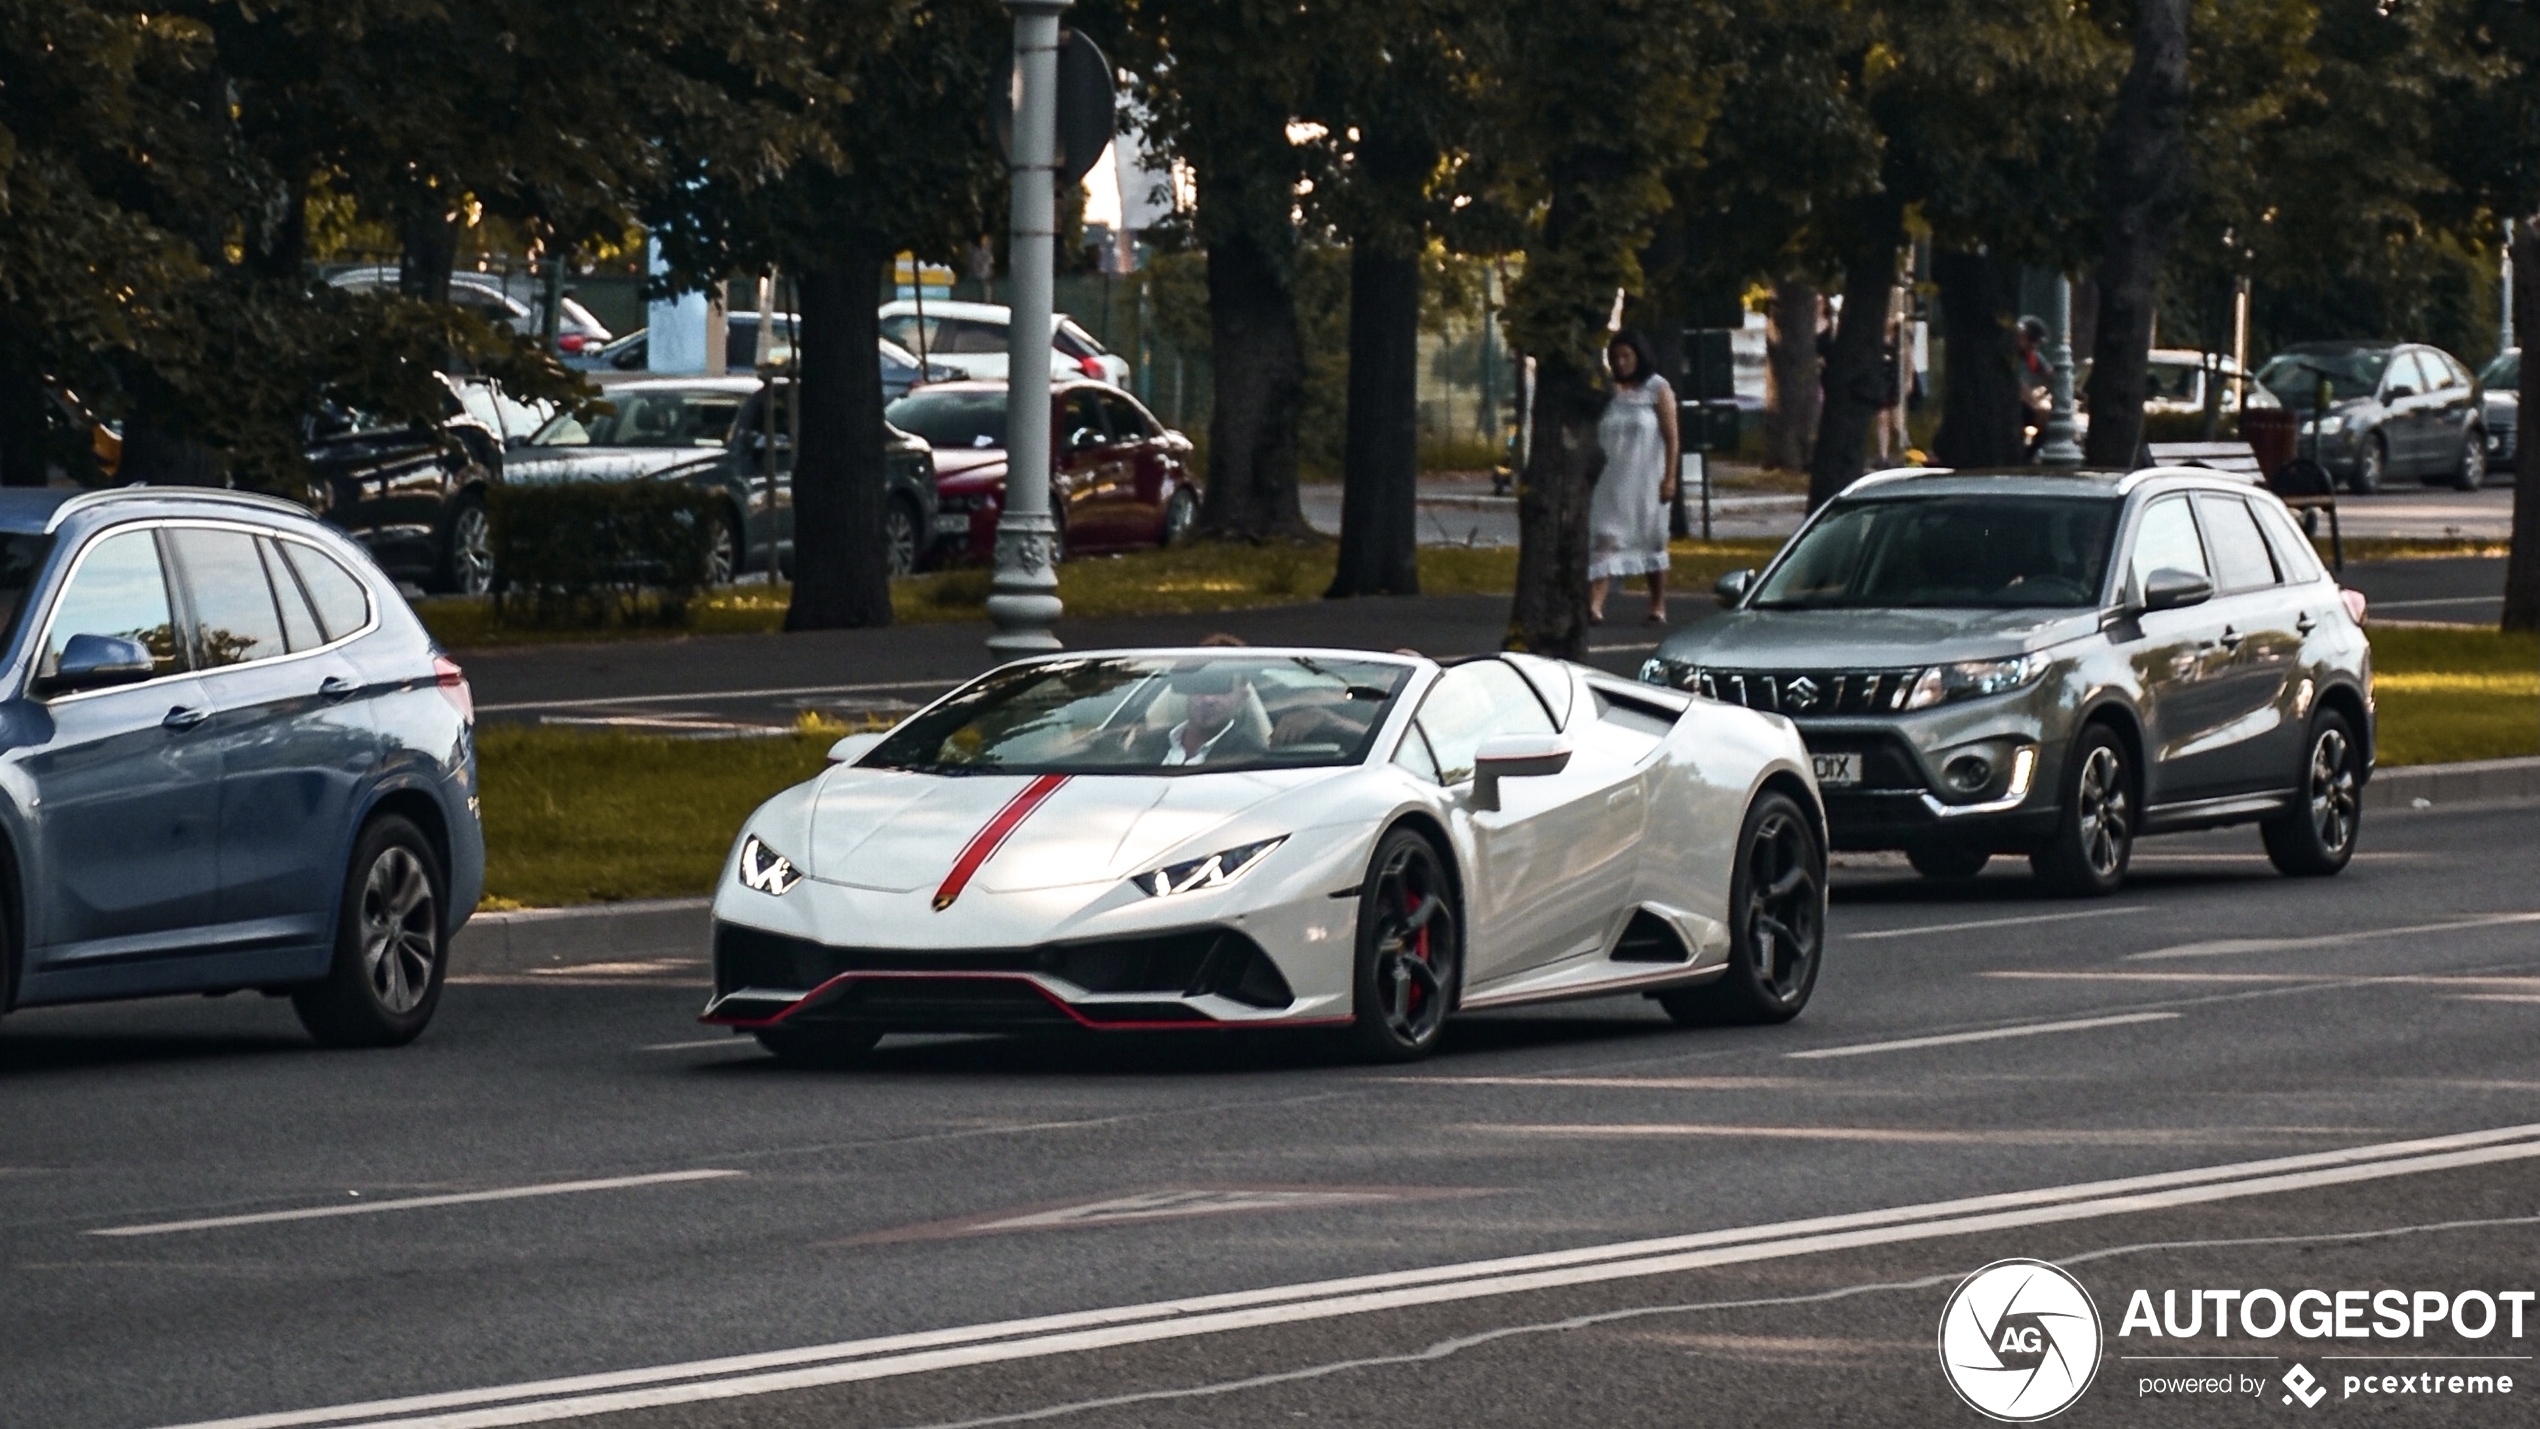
(230, 758)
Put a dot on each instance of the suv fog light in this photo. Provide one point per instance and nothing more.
(1969, 773)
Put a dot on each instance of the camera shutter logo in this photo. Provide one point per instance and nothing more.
(2019, 1341)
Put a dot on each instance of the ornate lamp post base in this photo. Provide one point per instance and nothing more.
(1023, 600)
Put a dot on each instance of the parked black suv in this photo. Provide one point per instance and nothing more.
(2051, 665)
(414, 494)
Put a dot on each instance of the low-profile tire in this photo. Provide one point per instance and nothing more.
(901, 538)
(2094, 827)
(2470, 473)
(1948, 861)
(1410, 955)
(392, 944)
(1777, 923)
(1181, 513)
(2372, 463)
(467, 548)
(2316, 837)
(818, 1046)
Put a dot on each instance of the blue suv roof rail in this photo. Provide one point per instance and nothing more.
(213, 495)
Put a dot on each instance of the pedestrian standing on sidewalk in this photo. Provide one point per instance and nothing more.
(1627, 516)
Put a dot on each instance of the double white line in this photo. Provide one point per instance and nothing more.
(888, 1356)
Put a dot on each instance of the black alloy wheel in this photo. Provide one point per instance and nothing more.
(2372, 463)
(2316, 837)
(1410, 950)
(391, 944)
(899, 538)
(818, 1047)
(2094, 830)
(1777, 923)
(1948, 861)
(1181, 513)
(2470, 473)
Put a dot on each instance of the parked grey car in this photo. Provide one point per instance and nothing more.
(230, 758)
(2395, 409)
(2052, 665)
(2501, 385)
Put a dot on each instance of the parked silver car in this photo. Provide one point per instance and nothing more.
(2394, 409)
(2051, 665)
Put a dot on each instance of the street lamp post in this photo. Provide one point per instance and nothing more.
(2055, 445)
(1023, 599)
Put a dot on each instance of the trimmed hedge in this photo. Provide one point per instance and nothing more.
(593, 553)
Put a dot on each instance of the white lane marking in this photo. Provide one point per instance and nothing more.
(1622, 649)
(597, 703)
(2221, 947)
(701, 1043)
(1990, 1034)
(1671, 1084)
(2438, 600)
(809, 1367)
(416, 1203)
(1996, 923)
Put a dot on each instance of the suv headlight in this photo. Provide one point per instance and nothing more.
(1972, 679)
(766, 870)
(1215, 871)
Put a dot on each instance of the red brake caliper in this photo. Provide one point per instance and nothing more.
(1420, 948)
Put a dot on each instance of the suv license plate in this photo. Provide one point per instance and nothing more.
(1837, 768)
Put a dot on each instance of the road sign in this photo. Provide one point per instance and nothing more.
(1086, 105)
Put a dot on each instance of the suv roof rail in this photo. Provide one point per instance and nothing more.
(216, 495)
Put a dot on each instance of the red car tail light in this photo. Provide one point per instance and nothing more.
(572, 342)
(1092, 366)
(453, 684)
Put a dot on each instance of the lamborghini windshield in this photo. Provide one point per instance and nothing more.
(1152, 715)
(1985, 552)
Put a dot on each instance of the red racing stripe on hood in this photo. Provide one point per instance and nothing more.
(984, 844)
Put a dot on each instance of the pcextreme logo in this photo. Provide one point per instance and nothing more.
(2019, 1341)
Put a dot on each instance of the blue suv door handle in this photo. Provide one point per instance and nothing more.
(336, 687)
(184, 717)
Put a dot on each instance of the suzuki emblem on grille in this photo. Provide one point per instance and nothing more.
(1802, 692)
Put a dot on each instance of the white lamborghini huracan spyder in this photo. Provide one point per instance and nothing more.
(1239, 838)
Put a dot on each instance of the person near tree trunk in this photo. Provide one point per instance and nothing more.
(1627, 514)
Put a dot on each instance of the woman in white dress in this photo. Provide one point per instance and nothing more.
(1627, 516)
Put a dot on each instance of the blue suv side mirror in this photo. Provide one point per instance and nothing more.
(92, 662)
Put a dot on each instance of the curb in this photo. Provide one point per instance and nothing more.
(678, 929)
(2443, 786)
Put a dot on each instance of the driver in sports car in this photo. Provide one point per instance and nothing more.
(1222, 719)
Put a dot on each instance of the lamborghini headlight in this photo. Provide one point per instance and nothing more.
(1971, 679)
(766, 870)
(1215, 871)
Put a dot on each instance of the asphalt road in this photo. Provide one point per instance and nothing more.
(755, 681)
(1968, 1041)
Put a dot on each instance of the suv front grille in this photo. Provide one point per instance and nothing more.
(1800, 692)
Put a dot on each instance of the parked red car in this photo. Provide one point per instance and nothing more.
(1120, 479)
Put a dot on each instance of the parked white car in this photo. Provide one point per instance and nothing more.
(971, 337)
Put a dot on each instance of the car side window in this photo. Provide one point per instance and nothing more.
(342, 601)
(1413, 754)
(2438, 372)
(2241, 561)
(971, 337)
(119, 589)
(2404, 372)
(1128, 424)
(235, 618)
(1471, 703)
(299, 622)
(1081, 416)
(2293, 553)
(2165, 540)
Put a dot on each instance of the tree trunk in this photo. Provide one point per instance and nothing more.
(1549, 616)
(2522, 568)
(1790, 361)
(840, 578)
(24, 459)
(1259, 373)
(1980, 416)
(428, 249)
(2143, 196)
(1856, 373)
(1380, 462)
